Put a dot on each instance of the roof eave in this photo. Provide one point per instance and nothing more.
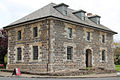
(6, 27)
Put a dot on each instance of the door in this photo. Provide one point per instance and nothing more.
(88, 58)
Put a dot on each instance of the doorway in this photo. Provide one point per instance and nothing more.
(88, 58)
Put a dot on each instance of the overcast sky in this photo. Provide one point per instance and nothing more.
(109, 10)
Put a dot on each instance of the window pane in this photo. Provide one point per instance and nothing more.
(103, 55)
(83, 16)
(35, 52)
(19, 51)
(19, 35)
(103, 38)
(70, 32)
(69, 52)
(88, 35)
(35, 32)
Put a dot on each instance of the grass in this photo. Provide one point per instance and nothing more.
(117, 67)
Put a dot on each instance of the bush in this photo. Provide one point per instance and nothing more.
(5, 59)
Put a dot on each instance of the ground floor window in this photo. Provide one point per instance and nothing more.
(69, 52)
(19, 55)
(103, 55)
(35, 52)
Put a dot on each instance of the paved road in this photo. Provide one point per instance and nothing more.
(14, 78)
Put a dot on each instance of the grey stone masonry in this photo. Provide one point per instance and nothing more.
(52, 42)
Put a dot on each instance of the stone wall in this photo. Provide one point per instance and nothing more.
(52, 44)
(59, 42)
(26, 43)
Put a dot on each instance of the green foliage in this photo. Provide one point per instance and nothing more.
(5, 58)
(117, 67)
(117, 56)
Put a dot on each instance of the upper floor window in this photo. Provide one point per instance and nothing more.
(35, 31)
(88, 36)
(19, 34)
(69, 52)
(98, 20)
(69, 32)
(35, 52)
(103, 38)
(19, 54)
(103, 55)
(83, 16)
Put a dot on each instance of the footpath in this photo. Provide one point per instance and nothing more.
(9, 74)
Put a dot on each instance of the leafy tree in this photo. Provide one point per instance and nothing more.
(117, 53)
(3, 44)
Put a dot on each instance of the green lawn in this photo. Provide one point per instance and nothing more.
(117, 67)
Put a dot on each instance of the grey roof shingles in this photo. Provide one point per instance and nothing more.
(49, 10)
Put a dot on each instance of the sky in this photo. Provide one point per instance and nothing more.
(109, 10)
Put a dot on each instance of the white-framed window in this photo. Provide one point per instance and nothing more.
(83, 16)
(69, 32)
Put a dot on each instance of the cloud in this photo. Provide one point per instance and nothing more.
(109, 10)
(4, 15)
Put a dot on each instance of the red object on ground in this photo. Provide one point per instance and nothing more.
(1, 65)
(18, 73)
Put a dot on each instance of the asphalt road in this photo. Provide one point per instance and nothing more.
(17, 78)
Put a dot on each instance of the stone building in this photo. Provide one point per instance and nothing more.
(57, 38)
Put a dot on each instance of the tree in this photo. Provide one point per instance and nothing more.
(117, 53)
(3, 44)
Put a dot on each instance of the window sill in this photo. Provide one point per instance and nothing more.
(88, 41)
(70, 38)
(36, 37)
(20, 61)
(103, 61)
(34, 61)
(69, 60)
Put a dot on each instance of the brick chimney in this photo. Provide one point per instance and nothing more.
(89, 14)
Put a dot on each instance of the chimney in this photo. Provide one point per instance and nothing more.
(89, 14)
